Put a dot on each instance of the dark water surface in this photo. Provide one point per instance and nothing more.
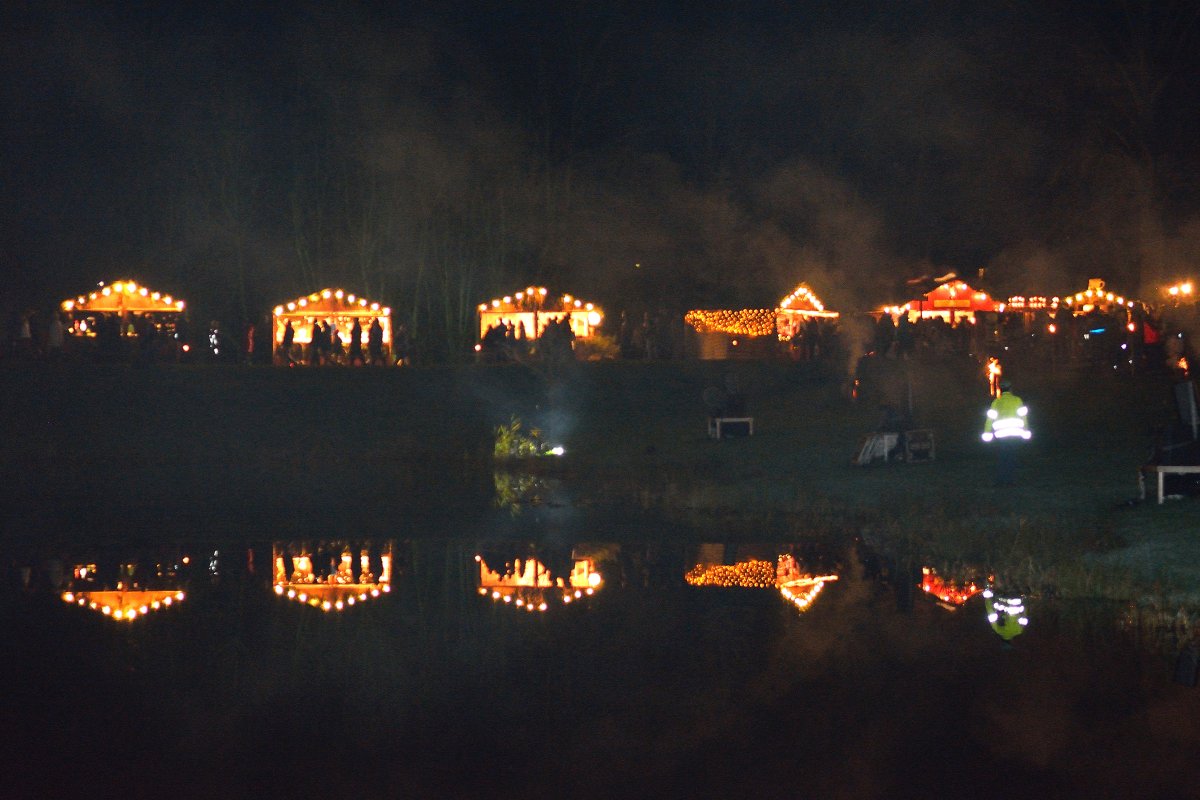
(436, 666)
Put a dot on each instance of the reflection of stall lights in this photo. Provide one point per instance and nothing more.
(751, 574)
(803, 592)
(125, 605)
(531, 588)
(947, 591)
(340, 596)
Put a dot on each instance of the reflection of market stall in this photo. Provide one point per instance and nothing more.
(531, 311)
(756, 332)
(339, 311)
(126, 310)
(948, 593)
(532, 578)
(332, 575)
(754, 567)
(127, 586)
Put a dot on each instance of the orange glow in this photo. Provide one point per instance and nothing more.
(947, 591)
(126, 605)
(993, 375)
(124, 297)
(530, 310)
(531, 588)
(336, 307)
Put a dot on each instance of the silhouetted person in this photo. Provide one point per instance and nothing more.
(285, 348)
(356, 351)
(375, 343)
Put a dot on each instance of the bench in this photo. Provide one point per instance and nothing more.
(720, 427)
(1162, 470)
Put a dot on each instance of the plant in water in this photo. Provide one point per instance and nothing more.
(513, 442)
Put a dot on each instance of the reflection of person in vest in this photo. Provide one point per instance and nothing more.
(1005, 428)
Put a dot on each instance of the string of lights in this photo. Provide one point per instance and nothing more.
(125, 605)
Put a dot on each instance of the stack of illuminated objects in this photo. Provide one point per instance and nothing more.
(338, 591)
(532, 588)
(784, 574)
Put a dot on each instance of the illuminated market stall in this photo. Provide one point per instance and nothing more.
(526, 579)
(332, 576)
(729, 333)
(127, 588)
(953, 301)
(531, 310)
(334, 307)
(1097, 298)
(125, 303)
(947, 592)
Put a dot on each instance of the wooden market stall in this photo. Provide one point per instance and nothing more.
(534, 308)
(124, 302)
(1097, 298)
(519, 576)
(752, 332)
(337, 308)
(953, 301)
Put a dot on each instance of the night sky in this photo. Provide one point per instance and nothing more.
(437, 155)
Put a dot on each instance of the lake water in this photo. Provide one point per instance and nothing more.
(443, 665)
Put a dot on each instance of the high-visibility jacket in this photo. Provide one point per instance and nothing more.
(1006, 417)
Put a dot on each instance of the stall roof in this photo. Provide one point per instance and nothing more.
(332, 302)
(536, 298)
(804, 301)
(951, 296)
(1095, 295)
(124, 296)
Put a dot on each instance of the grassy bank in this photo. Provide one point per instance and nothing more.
(106, 451)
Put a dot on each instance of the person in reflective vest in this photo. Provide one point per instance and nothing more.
(1007, 424)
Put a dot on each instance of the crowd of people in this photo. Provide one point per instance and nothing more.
(512, 341)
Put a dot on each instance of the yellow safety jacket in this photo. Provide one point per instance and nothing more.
(1006, 418)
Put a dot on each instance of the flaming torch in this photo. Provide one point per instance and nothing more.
(993, 376)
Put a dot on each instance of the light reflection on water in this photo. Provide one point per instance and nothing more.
(686, 663)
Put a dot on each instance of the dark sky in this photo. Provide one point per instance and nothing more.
(244, 153)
